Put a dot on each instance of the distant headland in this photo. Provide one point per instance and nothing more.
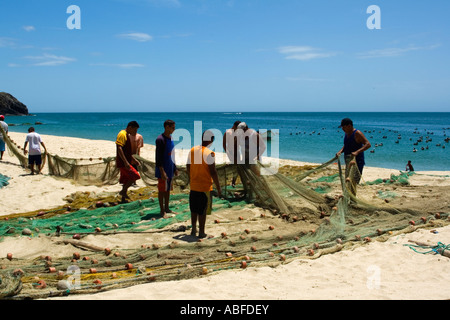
(9, 105)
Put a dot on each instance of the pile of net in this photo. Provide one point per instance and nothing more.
(269, 218)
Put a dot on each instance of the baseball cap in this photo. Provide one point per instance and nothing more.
(2, 117)
(346, 121)
(242, 125)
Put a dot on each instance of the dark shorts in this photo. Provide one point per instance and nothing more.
(35, 159)
(200, 202)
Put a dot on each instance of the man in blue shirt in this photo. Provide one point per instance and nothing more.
(165, 166)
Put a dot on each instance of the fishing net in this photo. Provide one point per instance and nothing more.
(3, 180)
(267, 219)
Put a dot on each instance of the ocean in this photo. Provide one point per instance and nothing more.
(303, 136)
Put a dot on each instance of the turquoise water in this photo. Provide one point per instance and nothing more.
(303, 136)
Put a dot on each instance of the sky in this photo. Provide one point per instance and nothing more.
(226, 55)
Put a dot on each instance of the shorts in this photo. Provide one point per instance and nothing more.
(129, 175)
(35, 159)
(2, 145)
(200, 202)
(165, 185)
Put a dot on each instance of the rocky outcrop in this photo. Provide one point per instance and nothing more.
(11, 106)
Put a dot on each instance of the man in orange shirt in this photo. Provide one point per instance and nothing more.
(201, 169)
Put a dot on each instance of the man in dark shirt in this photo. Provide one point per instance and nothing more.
(355, 143)
(165, 166)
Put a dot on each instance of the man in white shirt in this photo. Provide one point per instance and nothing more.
(34, 156)
(2, 142)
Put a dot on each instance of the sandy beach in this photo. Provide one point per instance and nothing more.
(377, 270)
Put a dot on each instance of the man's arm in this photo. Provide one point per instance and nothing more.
(361, 138)
(25, 147)
(122, 156)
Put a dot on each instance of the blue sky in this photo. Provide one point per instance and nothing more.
(226, 55)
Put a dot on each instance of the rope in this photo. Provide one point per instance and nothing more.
(432, 249)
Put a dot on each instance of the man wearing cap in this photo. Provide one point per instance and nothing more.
(355, 143)
(2, 142)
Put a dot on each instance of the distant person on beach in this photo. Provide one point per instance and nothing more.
(355, 143)
(409, 166)
(34, 154)
(125, 160)
(165, 166)
(2, 142)
(201, 170)
(230, 146)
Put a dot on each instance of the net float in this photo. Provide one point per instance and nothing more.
(76, 236)
(86, 258)
(229, 254)
(217, 221)
(9, 256)
(247, 231)
(223, 234)
(114, 275)
(358, 237)
(128, 266)
(253, 248)
(271, 227)
(367, 239)
(241, 218)
(76, 255)
(437, 215)
(246, 258)
(94, 261)
(316, 246)
(242, 237)
(98, 229)
(379, 231)
(271, 254)
(151, 276)
(243, 264)
(52, 269)
(204, 270)
(116, 254)
(107, 251)
(40, 284)
(99, 204)
(282, 257)
(412, 222)
(92, 270)
(310, 252)
(98, 283)
(18, 272)
(296, 249)
(424, 220)
(339, 240)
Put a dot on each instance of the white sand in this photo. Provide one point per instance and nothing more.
(377, 270)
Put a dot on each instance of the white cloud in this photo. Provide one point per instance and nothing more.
(28, 28)
(303, 53)
(49, 60)
(393, 52)
(7, 42)
(308, 79)
(120, 65)
(136, 36)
